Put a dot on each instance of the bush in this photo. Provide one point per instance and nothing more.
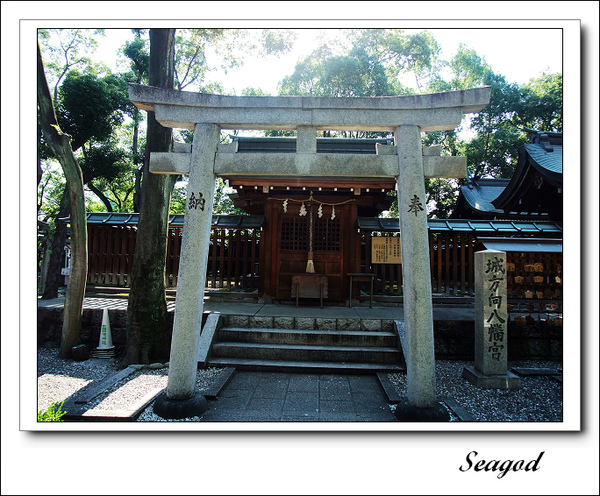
(53, 413)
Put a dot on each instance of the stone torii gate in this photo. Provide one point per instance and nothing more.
(406, 161)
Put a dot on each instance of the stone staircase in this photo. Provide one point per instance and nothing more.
(309, 345)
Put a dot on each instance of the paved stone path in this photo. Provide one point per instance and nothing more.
(294, 397)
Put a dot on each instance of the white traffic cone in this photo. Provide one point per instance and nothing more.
(105, 346)
(105, 334)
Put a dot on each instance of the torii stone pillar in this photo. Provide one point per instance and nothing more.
(418, 310)
(182, 398)
(407, 162)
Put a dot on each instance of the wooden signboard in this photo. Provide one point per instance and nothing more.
(386, 250)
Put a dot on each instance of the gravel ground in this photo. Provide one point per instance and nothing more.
(538, 400)
(59, 379)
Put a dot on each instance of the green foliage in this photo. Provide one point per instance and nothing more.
(541, 101)
(469, 70)
(441, 197)
(178, 199)
(401, 53)
(191, 47)
(53, 413)
(357, 73)
(90, 106)
(276, 42)
(106, 160)
(254, 92)
(493, 151)
(50, 191)
(138, 55)
(65, 49)
(368, 62)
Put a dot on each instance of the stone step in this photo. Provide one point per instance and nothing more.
(297, 323)
(308, 337)
(318, 353)
(305, 366)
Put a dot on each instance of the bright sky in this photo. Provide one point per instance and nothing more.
(518, 54)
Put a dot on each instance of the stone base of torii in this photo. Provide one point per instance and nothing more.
(406, 161)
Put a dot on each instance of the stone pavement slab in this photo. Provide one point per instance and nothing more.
(255, 309)
(294, 397)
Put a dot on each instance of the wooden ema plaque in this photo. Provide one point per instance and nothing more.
(386, 250)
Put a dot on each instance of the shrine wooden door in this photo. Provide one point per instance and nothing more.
(294, 240)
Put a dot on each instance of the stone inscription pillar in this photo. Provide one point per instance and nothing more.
(418, 311)
(491, 324)
(189, 305)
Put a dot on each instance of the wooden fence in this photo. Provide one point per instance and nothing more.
(451, 256)
(233, 256)
(233, 263)
(110, 254)
(530, 275)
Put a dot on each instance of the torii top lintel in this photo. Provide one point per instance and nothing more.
(431, 112)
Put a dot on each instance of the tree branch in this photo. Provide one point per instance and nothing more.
(100, 195)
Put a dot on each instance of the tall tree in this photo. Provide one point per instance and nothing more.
(61, 146)
(139, 60)
(88, 109)
(147, 319)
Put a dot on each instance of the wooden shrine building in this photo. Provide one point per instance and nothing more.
(310, 224)
(260, 253)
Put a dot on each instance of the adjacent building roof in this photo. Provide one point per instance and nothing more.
(476, 197)
(536, 186)
(534, 191)
(527, 228)
(522, 245)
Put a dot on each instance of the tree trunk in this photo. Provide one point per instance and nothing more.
(137, 190)
(60, 144)
(147, 319)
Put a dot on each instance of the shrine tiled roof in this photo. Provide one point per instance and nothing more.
(478, 194)
(247, 144)
(521, 245)
(381, 224)
(549, 161)
(176, 220)
(533, 192)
